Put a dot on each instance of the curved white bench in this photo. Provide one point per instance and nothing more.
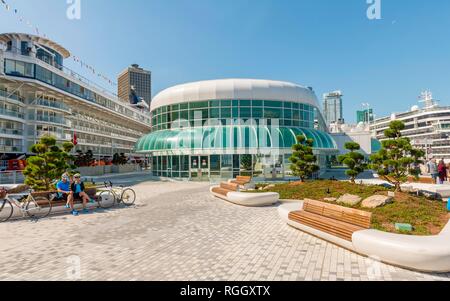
(249, 199)
(422, 253)
(247, 186)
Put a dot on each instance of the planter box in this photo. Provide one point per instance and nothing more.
(125, 168)
(91, 171)
(421, 253)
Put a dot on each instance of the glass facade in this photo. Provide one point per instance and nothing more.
(221, 139)
(290, 114)
(229, 138)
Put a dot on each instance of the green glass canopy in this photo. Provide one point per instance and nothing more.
(231, 137)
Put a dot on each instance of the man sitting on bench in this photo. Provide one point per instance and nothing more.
(78, 192)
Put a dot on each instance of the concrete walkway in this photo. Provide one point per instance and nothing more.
(178, 231)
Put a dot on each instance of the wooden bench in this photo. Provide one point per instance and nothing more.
(91, 192)
(225, 188)
(242, 180)
(230, 192)
(332, 219)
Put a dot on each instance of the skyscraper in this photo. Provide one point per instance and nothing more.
(365, 116)
(333, 108)
(137, 78)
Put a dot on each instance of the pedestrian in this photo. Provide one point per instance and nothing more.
(442, 171)
(433, 170)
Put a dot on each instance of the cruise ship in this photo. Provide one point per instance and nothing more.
(427, 127)
(40, 96)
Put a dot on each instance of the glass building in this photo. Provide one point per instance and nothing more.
(219, 129)
(365, 116)
(333, 108)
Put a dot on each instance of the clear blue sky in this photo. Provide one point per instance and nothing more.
(326, 44)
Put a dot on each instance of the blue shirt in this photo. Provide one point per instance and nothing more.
(78, 188)
(63, 186)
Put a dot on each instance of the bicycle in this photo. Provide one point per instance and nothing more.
(120, 194)
(37, 208)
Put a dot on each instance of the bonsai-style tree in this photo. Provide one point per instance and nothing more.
(354, 160)
(303, 159)
(119, 159)
(84, 159)
(48, 164)
(397, 158)
(246, 162)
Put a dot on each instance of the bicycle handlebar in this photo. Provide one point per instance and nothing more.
(108, 183)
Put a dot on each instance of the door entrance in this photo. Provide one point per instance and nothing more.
(200, 168)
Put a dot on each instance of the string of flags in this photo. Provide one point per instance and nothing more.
(36, 30)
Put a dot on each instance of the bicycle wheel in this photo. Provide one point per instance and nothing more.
(40, 207)
(6, 210)
(106, 199)
(128, 197)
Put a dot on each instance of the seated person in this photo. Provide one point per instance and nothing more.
(64, 192)
(78, 192)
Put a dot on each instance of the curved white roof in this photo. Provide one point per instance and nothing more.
(243, 89)
(43, 41)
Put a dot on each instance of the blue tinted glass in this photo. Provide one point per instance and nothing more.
(214, 103)
(225, 103)
(273, 104)
(245, 103)
(257, 103)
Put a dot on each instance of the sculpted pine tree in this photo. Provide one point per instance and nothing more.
(354, 160)
(303, 159)
(48, 164)
(397, 159)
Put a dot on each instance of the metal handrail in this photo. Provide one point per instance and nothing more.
(16, 114)
(11, 132)
(5, 94)
(52, 104)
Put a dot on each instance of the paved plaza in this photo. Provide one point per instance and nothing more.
(178, 231)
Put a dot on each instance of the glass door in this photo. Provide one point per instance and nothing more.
(195, 167)
(199, 168)
(204, 168)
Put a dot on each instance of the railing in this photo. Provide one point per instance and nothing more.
(5, 94)
(11, 177)
(58, 136)
(10, 149)
(12, 113)
(64, 69)
(104, 125)
(111, 134)
(11, 132)
(131, 112)
(56, 120)
(52, 104)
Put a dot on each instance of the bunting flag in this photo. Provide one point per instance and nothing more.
(38, 32)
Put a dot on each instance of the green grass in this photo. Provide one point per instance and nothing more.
(428, 217)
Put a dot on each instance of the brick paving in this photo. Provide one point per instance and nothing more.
(178, 231)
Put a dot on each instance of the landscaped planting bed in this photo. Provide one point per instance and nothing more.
(428, 217)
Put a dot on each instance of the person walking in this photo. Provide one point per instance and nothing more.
(433, 170)
(442, 171)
